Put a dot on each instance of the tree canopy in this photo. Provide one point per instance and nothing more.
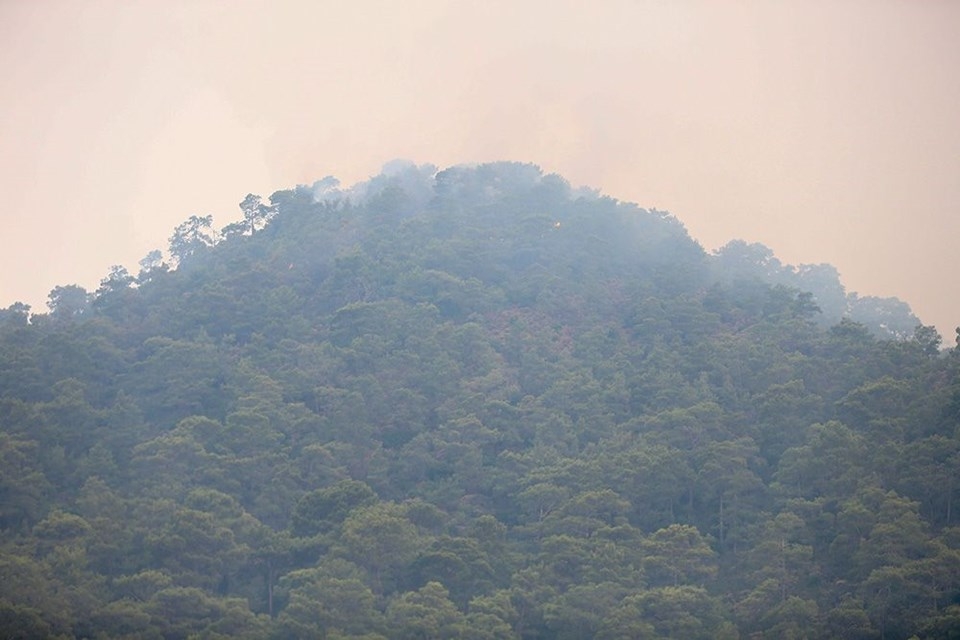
(473, 403)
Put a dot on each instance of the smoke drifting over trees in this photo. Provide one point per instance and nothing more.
(473, 403)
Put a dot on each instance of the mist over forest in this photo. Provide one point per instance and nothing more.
(474, 403)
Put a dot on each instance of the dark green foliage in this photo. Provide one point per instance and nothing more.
(473, 403)
(321, 510)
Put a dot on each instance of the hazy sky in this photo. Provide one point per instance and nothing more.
(829, 131)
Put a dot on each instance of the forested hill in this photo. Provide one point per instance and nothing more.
(473, 403)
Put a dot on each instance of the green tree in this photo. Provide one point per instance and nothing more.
(678, 554)
(24, 623)
(425, 614)
(191, 237)
(16, 315)
(580, 612)
(668, 612)
(381, 539)
(829, 464)
(322, 603)
(491, 617)
(460, 564)
(198, 550)
(730, 487)
(176, 379)
(184, 612)
(928, 470)
(779, 567)
(321, 510)
(848, 619)
(66, 302)
(927, 339)
(22, 483)
(117, 280)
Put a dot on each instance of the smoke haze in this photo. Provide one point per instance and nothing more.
(827, 131)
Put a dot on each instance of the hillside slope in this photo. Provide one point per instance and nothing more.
(470, 403)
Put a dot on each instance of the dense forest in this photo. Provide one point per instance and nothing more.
(474, 403)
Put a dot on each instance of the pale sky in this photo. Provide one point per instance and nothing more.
(829, 131)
